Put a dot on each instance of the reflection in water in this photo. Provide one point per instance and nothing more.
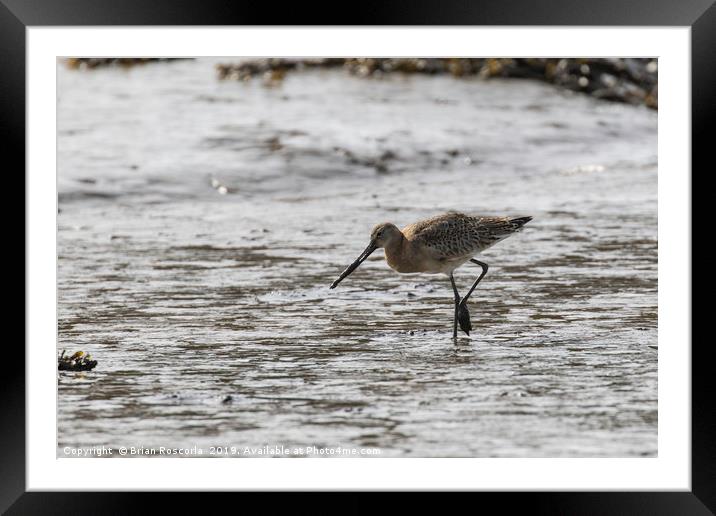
(209, 311)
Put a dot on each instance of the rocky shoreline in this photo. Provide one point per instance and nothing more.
(628, 80)
(82, 63)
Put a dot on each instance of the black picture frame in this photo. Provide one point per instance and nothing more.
(700, 15)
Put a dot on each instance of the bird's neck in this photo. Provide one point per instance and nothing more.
(398, 256)
(395, 246)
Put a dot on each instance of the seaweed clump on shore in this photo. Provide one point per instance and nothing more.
(77, 362)
(629, 80)
(81, 63)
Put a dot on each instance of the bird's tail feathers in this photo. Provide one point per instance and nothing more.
(520, 221)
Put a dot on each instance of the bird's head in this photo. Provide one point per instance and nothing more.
(382, 235)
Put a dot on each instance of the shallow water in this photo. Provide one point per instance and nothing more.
(201, 223)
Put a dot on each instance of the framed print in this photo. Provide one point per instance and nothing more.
(439, 249)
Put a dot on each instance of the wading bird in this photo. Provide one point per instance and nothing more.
(440, 244)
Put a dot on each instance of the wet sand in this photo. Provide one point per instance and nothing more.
(202, 221)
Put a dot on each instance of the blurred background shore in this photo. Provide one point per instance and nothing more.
(631, 80)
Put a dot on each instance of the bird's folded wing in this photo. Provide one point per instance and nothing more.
(456, 236)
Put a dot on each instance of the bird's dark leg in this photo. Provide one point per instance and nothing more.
(457, 304)
(463, 317)
(484, 271)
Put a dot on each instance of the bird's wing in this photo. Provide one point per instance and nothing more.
(456, 236)
(446, 236)
(491, 230)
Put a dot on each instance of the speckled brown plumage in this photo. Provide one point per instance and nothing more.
(456, 235)
(441, 244)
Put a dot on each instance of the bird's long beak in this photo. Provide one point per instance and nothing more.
(353, 266)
